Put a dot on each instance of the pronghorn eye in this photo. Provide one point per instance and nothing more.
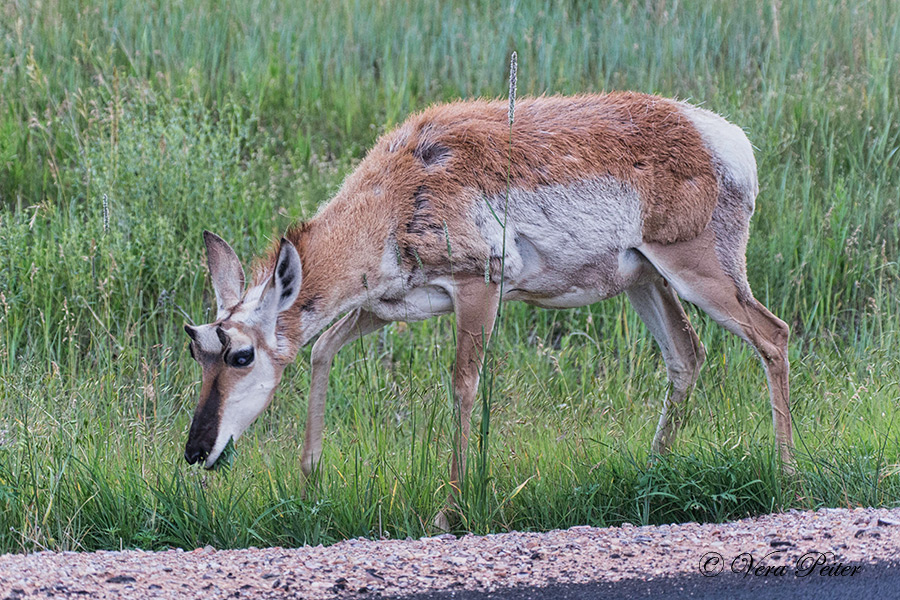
(241, 358)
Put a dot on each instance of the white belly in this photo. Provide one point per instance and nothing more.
(566, 246)
(607, 276)
(419, 304)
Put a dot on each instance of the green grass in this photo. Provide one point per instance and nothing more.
(243, 117)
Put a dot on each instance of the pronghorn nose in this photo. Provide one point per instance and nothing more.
(193, 453)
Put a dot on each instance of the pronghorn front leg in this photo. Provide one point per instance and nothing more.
(475, 303)
(351, 327)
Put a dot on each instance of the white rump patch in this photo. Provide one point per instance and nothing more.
(728, 144)
(736, 171)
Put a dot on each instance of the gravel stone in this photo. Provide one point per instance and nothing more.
(493, 562)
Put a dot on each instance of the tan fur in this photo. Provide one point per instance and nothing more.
(401, 230)
(699, 277)
(417, 184)
(639, 139)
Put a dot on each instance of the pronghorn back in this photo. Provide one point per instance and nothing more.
(648, 143)
(621, 168)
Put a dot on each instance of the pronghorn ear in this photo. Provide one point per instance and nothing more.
(225, 271)
(284, 285)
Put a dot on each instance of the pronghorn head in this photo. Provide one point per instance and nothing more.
(241, 352)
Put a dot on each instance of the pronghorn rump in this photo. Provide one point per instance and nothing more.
(583, 198)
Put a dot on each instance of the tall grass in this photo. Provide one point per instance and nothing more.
(243, 117)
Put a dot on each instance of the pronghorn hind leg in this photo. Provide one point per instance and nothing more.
(657, 304)
(351, 327)
(475, 304)
(697, 274)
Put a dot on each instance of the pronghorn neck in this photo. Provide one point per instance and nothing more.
(340, 259)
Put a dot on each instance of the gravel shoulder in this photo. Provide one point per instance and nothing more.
(824, 543)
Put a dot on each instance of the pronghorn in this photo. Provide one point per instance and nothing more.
(582, 199)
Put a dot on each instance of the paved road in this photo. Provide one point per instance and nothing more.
(873, 582)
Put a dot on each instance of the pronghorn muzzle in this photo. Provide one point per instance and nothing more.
(204, 428)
